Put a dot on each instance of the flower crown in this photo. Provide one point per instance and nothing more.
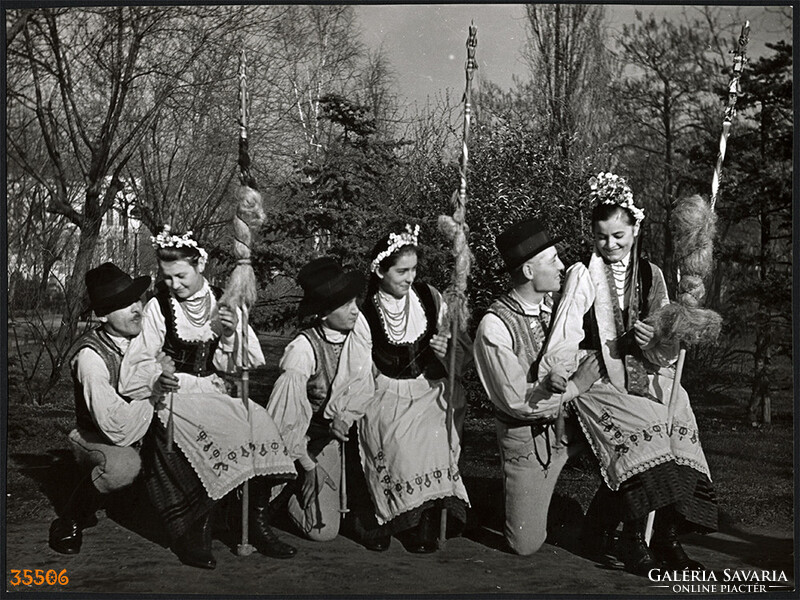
(396, 241)
(167, 240)
(608, 188)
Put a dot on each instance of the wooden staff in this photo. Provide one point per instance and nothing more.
(170, 425)
(456, 228)
(343, 483)
(241, 290)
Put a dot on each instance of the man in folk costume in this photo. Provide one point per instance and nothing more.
(309, 366)
(204, 442)
(508, 345)
(110, 426)
(649, 452)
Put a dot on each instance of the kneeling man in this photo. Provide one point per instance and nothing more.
(508, 344)
(110, 426)
(309, 367)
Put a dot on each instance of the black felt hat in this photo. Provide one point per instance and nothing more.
(110, 288)
(326, 286)
(522, 241)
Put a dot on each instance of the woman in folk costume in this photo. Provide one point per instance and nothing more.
(219, 443)
(394, 372)
(647, 461)
(308, 368)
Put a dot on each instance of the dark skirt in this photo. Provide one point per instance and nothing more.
(688, 490)
(172, 484)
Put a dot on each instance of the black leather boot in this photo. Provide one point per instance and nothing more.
(665, 544)
(66, 532)
(193, 548)
(423, 537)
(634, 551)
(261, 535)
(599, 539)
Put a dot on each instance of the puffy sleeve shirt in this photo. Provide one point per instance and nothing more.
(562, 354)
(123, 423)
(288, 403)
(502, 375)
(140, 369)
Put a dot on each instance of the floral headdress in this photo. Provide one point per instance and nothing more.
(167, 240)
(608, 188)
(396, 241)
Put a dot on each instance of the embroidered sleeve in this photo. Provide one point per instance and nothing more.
(288, 404)
(566, 329)
(140, 369)
(121, 422)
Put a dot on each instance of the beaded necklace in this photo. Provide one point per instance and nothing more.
(396, 322)
(197, 311)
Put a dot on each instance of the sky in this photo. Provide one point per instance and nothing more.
(426, 42)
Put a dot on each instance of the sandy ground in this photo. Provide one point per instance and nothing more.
(118, 559)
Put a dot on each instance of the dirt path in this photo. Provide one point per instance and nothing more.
(116, 559)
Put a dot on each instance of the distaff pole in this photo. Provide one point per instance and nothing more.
(456, 229)
(734, 91)
(693, 225)
(241, 290)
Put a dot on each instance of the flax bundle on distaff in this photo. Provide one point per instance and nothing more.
(456, 230)
(241, 292)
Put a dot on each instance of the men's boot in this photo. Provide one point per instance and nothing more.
(261, 535)
(635, 553)
(193, 548)
(665, 544)
(599, 538)
(66, 532)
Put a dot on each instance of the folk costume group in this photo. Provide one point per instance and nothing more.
(354, 434)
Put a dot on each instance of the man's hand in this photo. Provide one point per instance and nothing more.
(228, 319)
(555, 384)
(644, 334)
(312, 484)
(438, 343)
(587, 373)
(166, 382)
(339, 429)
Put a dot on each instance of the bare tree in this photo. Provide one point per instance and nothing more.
(95, 80)
(570, 70)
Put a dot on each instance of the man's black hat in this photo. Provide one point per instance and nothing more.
(326, 286)
(522, 241)
(110, 288)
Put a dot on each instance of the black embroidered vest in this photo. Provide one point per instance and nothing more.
(406, 360)
(528, 332)
(99, 341)
(195, 357)
(326, 357)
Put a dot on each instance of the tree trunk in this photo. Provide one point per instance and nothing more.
(76, 302)
(668, 261)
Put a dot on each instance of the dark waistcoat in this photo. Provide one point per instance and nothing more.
(196, 358)
(405, 360)
(99, 341)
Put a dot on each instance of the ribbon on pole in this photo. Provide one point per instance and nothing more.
(456, 229)
(734, 91)
(241, 289)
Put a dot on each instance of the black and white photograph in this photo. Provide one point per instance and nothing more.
(398, 300)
